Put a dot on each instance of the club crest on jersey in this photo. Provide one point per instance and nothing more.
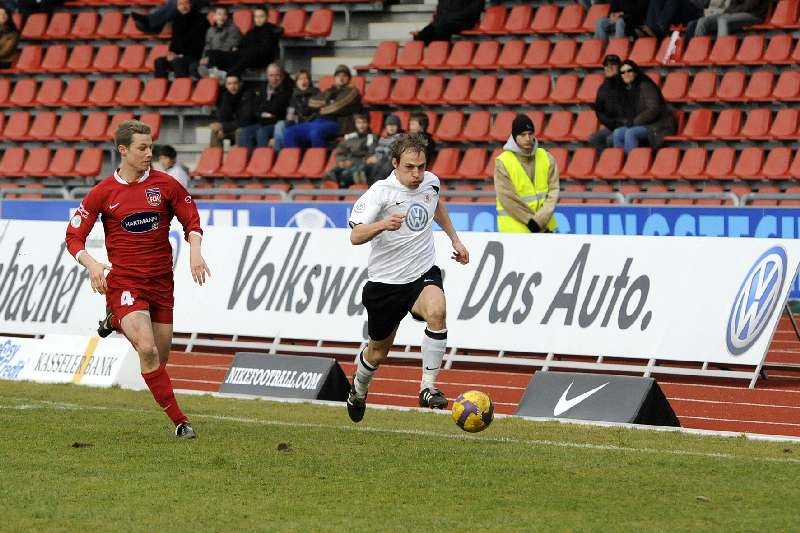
(153, 196)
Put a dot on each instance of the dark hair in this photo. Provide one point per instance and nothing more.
(421, 118)
(10, 27)
(127, 129)
(168, 151)
(360, 115)
(413, 142)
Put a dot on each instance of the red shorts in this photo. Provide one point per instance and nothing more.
(155, 295)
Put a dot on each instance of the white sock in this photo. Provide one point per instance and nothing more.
(434, 344)
(364, 373)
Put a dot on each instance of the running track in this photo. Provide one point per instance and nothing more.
(772, 408)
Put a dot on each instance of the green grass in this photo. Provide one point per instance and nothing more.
(395, 471)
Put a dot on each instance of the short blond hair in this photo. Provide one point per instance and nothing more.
(126, 130)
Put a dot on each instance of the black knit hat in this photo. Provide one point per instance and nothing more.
(521, 124)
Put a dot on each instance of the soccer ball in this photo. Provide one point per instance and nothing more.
(473, 411)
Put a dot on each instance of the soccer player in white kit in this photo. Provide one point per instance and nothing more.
(396, 215)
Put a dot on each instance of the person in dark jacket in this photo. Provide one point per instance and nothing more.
(186, 46)
(418, 123)
(258, 48)
(264, 107)
(158, 17)
(228, 113)
(9, 38)
(298, 111)
(223, 36)
(648, 118)
(738, 14)
(608, 105)
(624, 17)
(352, 153)
(450, 18)
(661, 14)
(333, 114)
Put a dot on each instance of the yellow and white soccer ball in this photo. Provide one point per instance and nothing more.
(473, 411)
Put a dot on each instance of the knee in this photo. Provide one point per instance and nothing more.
(437, 319)
(376, 356)
(148, 356)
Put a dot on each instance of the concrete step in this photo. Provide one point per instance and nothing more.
(398, 31)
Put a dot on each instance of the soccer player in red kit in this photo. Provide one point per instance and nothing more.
(136, 205)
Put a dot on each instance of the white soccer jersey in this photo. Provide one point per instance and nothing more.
(404, 255)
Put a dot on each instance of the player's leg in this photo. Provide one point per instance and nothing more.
(367, 364)
(431, 307)
(162, 332)
(163, 336)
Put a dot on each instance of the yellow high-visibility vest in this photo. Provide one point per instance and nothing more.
(532, 192)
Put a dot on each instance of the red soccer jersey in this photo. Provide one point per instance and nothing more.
(136, 218)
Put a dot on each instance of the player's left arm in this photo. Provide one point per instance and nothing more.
(186, 211)
(442, 217)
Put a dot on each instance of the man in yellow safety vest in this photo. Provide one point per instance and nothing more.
(526, 182)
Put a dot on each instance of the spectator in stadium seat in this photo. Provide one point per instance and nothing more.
(298, 111)
(155, 21)
(168, 159)
(9, 38)
(228, 113)
(526, 181)
(737, 15)
(263, 107)
(450, 18)
(418, 123)
(713, 7)
(26, 7)
(379, 164)
(352, 153)
(608, 105)
(661, 14)
(258, 48)
(648, 118)
(624, 18)
(334, 110)
(186, 46)
(222, 36)
(396, 216)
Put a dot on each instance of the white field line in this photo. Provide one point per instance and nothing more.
(745, 404)
(32, 404)
(764, 422)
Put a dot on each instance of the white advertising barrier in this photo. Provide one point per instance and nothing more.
(15, 353)
(669, 298)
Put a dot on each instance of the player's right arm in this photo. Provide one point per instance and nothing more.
(363, 221)
(78, 229)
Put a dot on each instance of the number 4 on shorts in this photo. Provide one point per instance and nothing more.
(126, 298)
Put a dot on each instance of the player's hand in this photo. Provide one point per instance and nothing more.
(199, 269)
(460, 253)
(97, 276)
(393, 221)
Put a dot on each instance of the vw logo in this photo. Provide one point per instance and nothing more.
(417, 217)
(756, 300)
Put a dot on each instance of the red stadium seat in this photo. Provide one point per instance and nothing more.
(127, 94)
(665, 164)
(243, 19)
(728, 124)
(776, 166)
(558, 127)
(748, 166)
(703, 86)
(209, 162)
(484, 89)
(110, 26)
(610, 163)
(787, 87)
(537, 91)
(692, 164)
(159, 50)
(50, 92)
(784, 15)
(544, 20)
(501, 129)
(286, 164)
(560, 156)
(431, 89)
(472, 164)
(357, 190)
(581, 166)
(13, 161)
(37, 163)
(760, 86)
(785, 125)
(485, 56)
(34, 27)
(235, 162)
(313, 164)
(510, 90)
(750, 51)
(537, 54)
(511, 55)
(76, 93)
(586, 124)
(24, 93)
(63, 163)
(450, 127)
(293, 23)
(565, 89)
(59, 26)
(731, 86)
(154, 92)
(80, 59)
(384, 56)
(260, 162)
(697, 51)
(519, 19)
(720, 164)
(757, 125)
(410, 56)
(154, 121)
(404, 91)
(89, 163)
(106, 59)
(377, 91)
(205, 92)
(597, 11)
(69, 126)
(85, 25)
(55, 59)
(589, 86)
(778, 50)
(17, 126)
(457, 91)
(489, 170)
(102, 92)
(95, 127)
(435, 54)
(320, 23)
(30, 59)
(477, 126)
(492, 22)
(43, 126)
(590, 53)
(5, 91)
(180, 92)
(698, 125)
(118, 118)
(644, 51)
(637, 163)
(563, 54)
(446, 164)
(571, 19)
(132, 59)
(619, 47)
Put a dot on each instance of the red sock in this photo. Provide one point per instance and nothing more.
(160, 385)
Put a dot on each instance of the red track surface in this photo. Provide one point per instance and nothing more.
(772, 408)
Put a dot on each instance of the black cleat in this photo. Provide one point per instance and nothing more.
(356, 405)
(432, 398)
(104, 328)
(184, 430)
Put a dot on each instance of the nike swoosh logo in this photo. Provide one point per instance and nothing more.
(564, 405)
(426, 280)
(434, 368)
(113, 206)
(398, 203)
